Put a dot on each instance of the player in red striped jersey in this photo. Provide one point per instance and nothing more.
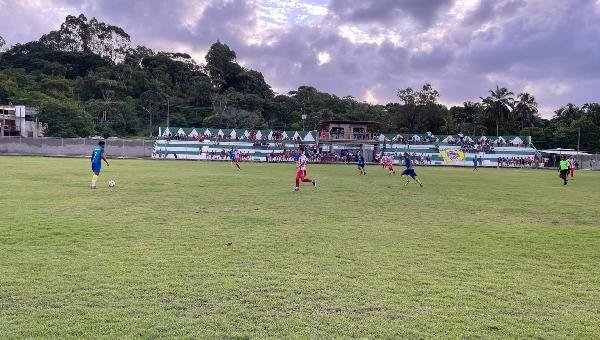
(301, 171)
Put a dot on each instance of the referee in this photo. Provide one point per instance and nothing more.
(563, 169)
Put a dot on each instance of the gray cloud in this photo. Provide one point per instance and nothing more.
(548, 47)
(377, 11)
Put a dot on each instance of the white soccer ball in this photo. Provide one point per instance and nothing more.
(111, 184)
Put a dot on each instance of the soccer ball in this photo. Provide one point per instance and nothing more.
(111, 184)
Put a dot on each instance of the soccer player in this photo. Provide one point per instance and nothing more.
(563, 169)
(301, 171)
(390, 165)
(571, 167)
(361, 164)
(97, 158)
(234, 156)
(475, 168)
(410, 171)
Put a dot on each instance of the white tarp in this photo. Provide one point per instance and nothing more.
(517, 141)
(181, 132)
(193, 133)
(448, 139)
(220, 133)
(259, 134)
(309, 137)
(207, 133)
(233, 134)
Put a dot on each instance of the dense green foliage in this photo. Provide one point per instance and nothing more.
(200, 250)
(123, 90)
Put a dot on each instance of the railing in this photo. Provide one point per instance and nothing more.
(347, 136)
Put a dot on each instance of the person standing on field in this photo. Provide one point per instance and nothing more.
(563, 169)
(97, 158)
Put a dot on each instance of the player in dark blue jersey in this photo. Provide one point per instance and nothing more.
(234, 156)
(475, 167)
(97, 158)
(361, 164)
(409, 171)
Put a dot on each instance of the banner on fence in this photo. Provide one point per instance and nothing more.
(450, 156)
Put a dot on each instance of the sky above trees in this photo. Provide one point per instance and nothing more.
(365, 48)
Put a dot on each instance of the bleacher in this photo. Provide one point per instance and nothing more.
(213, 144)
(460, 150)
(262, 145)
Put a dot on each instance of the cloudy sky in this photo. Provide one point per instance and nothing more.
(365, 48)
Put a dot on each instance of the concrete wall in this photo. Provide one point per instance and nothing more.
(75, 146)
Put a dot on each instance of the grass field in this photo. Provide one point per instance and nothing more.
(494, 254)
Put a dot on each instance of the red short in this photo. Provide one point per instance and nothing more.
(391, 167)
(301, 173)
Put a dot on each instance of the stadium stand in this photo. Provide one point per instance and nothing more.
(279, 146)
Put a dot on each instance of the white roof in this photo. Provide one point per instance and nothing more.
(569, 152)
(309, 137)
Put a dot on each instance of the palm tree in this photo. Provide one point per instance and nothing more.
(499, 103)
(526, 108)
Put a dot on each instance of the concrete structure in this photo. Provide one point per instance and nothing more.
(18, 120)
(346, 136)
(134, 148)
(350, 138)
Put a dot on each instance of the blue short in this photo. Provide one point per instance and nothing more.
(361, 165)
(409, 172)
(96, 169)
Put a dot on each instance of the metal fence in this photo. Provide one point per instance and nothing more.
(74, 146)
(588, 162)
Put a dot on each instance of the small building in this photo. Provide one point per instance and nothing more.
(346, 131)
(19, 120)
(349, 137)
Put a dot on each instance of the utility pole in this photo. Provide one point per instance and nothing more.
(168, 111)
(578, 139)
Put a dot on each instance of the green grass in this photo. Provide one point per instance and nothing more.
(494, 254)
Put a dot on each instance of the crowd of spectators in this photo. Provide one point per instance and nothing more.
(518, 162)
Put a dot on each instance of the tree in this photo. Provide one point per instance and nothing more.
(526, 109)
(2, 42)
(499, 104)
(65, 118)
(77, 34)
(221, 66)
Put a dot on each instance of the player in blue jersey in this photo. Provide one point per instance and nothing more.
(234, 156)
(97, 158)
(361, 164)
(410, 171)
(475, 164)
